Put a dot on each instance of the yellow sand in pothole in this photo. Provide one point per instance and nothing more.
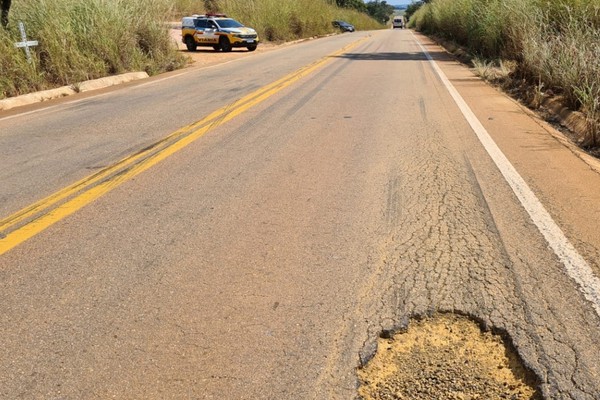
(445, 357)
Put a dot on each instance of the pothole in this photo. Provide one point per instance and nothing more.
(445, 357)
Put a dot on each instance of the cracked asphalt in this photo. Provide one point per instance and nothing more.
(263, 260)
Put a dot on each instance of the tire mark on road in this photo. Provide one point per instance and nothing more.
(37, 217)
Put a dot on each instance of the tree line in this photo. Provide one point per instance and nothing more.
(379, 10)
(413, 7)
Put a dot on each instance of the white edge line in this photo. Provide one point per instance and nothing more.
(93, 96)
(148, 83)
(576, 266)
(48, 108)
(23, 114)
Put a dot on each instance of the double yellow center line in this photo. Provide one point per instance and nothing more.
(35, 218)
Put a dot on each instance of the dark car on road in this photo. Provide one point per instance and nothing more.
(343, 26)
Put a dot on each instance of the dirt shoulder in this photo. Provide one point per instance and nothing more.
(573, 125)
(206, 56)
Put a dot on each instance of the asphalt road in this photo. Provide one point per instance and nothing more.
(263, 259)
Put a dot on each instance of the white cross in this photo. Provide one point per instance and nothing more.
(24, 42)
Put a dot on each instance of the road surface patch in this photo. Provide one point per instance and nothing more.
(446, 357)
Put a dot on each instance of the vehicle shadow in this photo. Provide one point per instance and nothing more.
(405, 56)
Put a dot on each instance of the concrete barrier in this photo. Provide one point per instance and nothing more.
(110, 81)
(94, 84)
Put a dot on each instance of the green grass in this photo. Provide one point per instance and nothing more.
(556, 44)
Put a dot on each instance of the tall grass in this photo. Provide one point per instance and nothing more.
(281, 20)
(85, 39)
(556, 44)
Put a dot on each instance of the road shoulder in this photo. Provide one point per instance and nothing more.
(564, 177)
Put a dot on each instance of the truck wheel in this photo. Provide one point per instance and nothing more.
(252, 48)
(216, 47)
(190, 43)
(224, 44)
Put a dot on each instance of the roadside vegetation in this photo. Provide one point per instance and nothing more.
(281, 20)
(551, 47)
(88, 39)
(84, 39)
